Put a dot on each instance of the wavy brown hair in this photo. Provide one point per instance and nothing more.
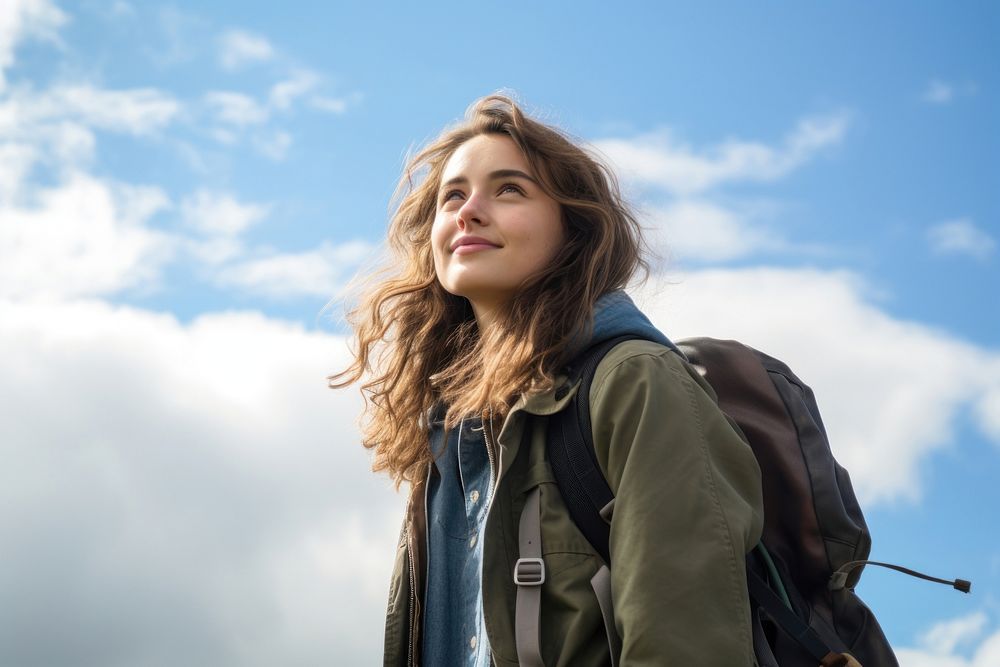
(430, 348)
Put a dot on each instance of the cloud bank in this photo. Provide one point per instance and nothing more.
(184, 494)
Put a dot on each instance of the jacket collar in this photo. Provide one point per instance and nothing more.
(546, 403)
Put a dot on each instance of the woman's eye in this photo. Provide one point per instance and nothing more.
(503, 189)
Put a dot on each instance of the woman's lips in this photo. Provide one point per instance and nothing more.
(473, 247)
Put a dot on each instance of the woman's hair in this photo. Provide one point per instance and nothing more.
(430, 348)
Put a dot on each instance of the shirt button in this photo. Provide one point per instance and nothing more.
(472, 541)
(474, 496)
(472, 642)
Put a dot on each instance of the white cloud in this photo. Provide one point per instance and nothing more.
(121, 8)
(219, 219)
(938, 645)
(236, 108)
(224, 136)
(56, 128)
(17, 160)
(336, 105)
(285, 92)
(219, 213)
(331, 104)
(320, 272)
(215, 250)
(82, 237)
(274, 146)
(659, 160)
(79, 235)
(988, 412)
(944, 92)
(201, 498)
(26, 19)
(938, 92)
(240, 110)
(67, 144)
(944, 637)
(703, 231)
(239, 47)
(135, 111)
(890, 391)
(694, 224)
(185, 37)
(961, 237)
(28, 139)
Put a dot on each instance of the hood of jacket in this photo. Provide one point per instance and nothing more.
(615, 314)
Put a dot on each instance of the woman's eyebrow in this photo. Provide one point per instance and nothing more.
(493, 175)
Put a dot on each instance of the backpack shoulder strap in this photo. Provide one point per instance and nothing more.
(570, 450)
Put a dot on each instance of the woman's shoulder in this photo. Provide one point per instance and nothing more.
(639, 356)
(635, 364)
(633, 348)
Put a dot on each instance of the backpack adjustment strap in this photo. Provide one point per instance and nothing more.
(529, 574)
(601, 583)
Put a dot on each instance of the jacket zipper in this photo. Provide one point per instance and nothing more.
(494, 483)
(490, 454)
(413, 604)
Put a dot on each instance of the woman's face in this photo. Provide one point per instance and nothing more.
(488, 190)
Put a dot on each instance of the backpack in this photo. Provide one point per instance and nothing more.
(815, 543)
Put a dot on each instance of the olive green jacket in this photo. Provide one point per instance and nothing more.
(688, 508)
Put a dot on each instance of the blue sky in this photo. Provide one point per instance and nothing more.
(185, 190)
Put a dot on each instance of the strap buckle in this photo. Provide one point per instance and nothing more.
(529, 572)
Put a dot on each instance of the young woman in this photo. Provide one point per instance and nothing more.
(512, 246)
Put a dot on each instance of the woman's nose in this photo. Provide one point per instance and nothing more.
(471, 210)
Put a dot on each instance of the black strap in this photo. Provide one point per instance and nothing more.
(570, 444)
(793, 626)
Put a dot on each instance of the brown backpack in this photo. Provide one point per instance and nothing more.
(815, 542)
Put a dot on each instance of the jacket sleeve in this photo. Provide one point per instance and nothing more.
(688, 507)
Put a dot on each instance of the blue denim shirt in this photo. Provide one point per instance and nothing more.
(458, 496)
